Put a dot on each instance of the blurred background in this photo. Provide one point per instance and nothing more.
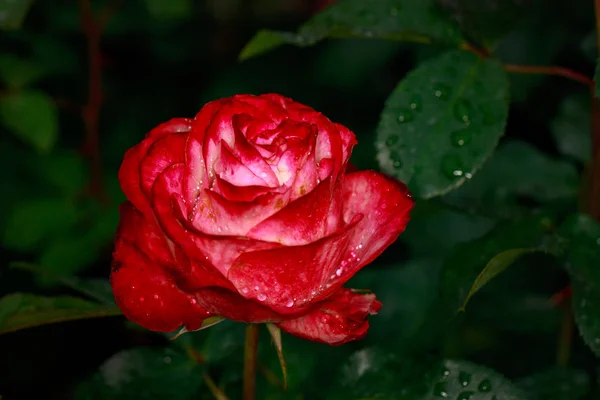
(160, 59)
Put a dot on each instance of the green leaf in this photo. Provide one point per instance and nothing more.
(96, 289)
(32, 221)
(468, 260)
(571, 127)
(31, 116)
(173, 9)
(16, 72)
(409, 20)
(582, 259)
(275, 332)
(144, 373)
(487, 21)
(12, 13)
(65, 170)
(23, 310)
(516, 170)
(556, 384)
(494, 267)
(443, 121)
(372, 374)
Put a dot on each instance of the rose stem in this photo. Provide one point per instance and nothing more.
(250, 359)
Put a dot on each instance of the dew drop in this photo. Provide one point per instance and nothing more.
(464, 378)
(396, 160)
(392, 140)
(332, 277)
(439, 390)
(416, 102)
(465, 395)
(463, 111)
(339, 271)
(256, 287)
(441, 91)
(155, 297)
(452, 166)
(193, 301)
(141, 299)
(485, 386)
(405, 115)
(167, 360)
(261, 297)
(245, 290)
(290, 303)
(461, 137)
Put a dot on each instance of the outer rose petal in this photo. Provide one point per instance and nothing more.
(231, 305)
(340, 319)
(148, 296)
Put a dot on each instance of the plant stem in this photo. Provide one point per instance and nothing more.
(250, 361)
(565, 337)
(593, 192)
(550, 70)
(214, 389)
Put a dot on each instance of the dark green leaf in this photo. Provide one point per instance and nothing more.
(173, 9)
(487, 21)
(443, 121)
(31, 116)
(65, 170)
(16, 72)
(144, 373)
(409, 20)
(32, 221)
(582, 259)
(571, 127)
(12, 13)
(494, 267)
(556, 384)
(516, 170)
(469, 259)
(23, 310)
(373, 374)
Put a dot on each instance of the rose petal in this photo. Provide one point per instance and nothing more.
(147, 294)
(304, 220)
(166, 151)
(288, 278)
(229, 168)
(232, 306)
(339, 319)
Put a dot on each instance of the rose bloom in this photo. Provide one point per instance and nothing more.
(246, 212)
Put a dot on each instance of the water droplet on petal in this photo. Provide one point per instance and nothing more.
(193, 301)
(290, 303)
(339, 271)
(244, 290)
(261, 297)
(141, 299)
(155, 297)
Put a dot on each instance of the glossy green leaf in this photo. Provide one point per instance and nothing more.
(442, 122)
(468, 260)
(494, 267)
(12, 13)
(32, 221)
(571, 127)
(404, 20)
(517, 170)
(372, 374)
(144, 373)
(64, 170)
(582, 258)
(22, 310)
(556, 384)
(16, 72)
(31, 116)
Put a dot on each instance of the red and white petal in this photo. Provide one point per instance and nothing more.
(304, 220)
(231, 305)
(148, 295)
(339, 319)
(166, 151)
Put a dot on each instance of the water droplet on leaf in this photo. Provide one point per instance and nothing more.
(441, 91)
(439, 390)
(464, 378)
(485, 386)
(405, 115)
(392, 140)
(416, 102)
(465, 395)
(461, 137)
(452, 166)
(463, 111)
(396, 160)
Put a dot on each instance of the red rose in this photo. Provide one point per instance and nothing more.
(246, 212)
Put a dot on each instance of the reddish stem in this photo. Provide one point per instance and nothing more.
(550, 70)
(92, 28)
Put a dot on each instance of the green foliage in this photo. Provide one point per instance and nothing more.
(12, 13)
(434, 134)
(404, 20)
(31, 116)
(556, 384)
(571, 125)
